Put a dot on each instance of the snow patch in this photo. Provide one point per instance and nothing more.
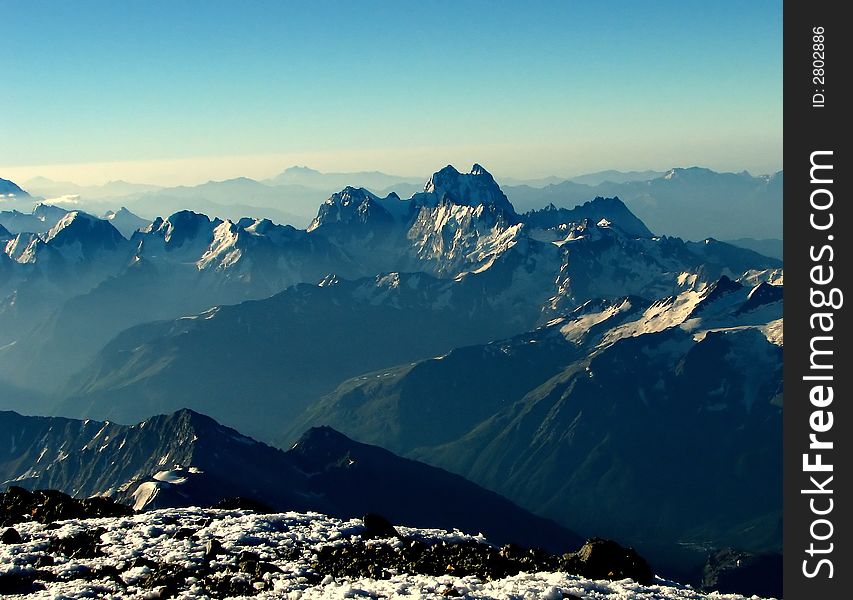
(172, 477)
(145, 494)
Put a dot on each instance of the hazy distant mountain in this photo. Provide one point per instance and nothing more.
(185, 264)
(14, 198)
(177, 266)
(291, 198)
(257, 364)
(10, 189)
(565, 194)
(499, 279)
(536, 182)
(692, 203)
(74, 254)
(125, 221)
(231, 199)
(308, 177)
(49, 188)
(616, 177)
(403, 190)
(610, 210)
(586, 179)
(768, 247)
(537, 264)
(187, 459)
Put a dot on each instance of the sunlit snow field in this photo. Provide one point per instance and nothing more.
(289, 541)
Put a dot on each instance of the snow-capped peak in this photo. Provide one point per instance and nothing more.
(692, 172)
(478, 169)
(81, 227)
(351, 205)
(64, 223)
(185, 225)
(11, 189)
(474, 188)
(48, 212)
(112, 214)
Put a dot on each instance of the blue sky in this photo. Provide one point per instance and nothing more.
(191, 90)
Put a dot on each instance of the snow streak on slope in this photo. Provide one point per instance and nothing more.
(289, 541)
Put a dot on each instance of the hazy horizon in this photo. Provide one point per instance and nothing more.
(84, 175)
(182, 94)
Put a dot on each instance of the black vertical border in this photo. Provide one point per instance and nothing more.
(807, 129)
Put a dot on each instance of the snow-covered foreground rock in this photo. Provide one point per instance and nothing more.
(195, 553)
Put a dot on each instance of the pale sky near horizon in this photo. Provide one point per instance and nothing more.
(184, 92)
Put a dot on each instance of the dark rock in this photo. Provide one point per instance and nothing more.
(227, 586)
(291, 553)
(16, 496)
(80, 571)
(53, 505)
(183, 533)
(81, 545)
(108, 572)
(212, 548)
(205, 523)
(246, 555)
(15, 506)
(240, 503)
(11, 536)
(735, 572)
(141, 561)
(20, 582)
(251, 563)
(170, 520)
(170, 578)
(100, 506)
(45, 560)
(247, 565)
(605, 559)
(377, 526)
(48, 506)
(461, 559)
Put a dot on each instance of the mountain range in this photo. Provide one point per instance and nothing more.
(598, 401)
(573, 360)
(41, 220)
(187, 459)
(692, 203)
(9, 190)
(125, 221)
(373, 180)
(48, 188)
(461, 228)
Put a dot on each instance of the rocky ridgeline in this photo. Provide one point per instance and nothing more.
(48, 506)
(44, 555)
(597, 559)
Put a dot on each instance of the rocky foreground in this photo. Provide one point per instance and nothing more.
(55, 546)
